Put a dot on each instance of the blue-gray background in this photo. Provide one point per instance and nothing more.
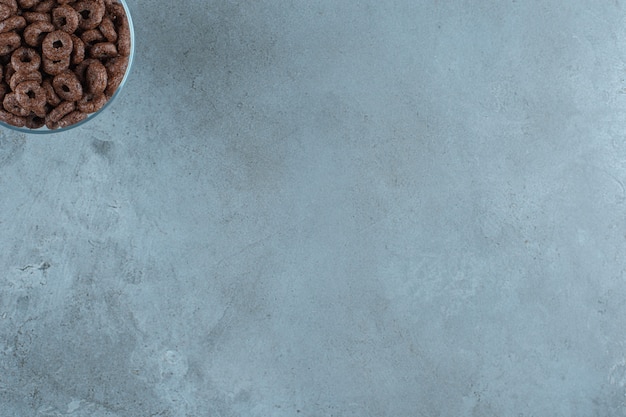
(329, 208)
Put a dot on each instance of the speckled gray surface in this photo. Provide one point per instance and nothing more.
(318, 208)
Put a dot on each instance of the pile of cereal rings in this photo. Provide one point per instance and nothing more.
(60, 60)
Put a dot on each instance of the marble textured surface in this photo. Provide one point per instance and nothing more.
(319, 208)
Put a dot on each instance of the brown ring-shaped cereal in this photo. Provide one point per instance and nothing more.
(60, 111)
(92, 36)
(116, 12)
(78, 52)
(5, 12)
(34, 122)
(65, 18)
(91, 103)
(90, 12)
(11, 119)
(103, 50)
(51, 96)
(32, 17)
(42, 111)
(11, 105)
(55, 66)
(8, 71)
(44, 6)
(107, 28)
(35, 32)
(30, 95)
(11, 4)
(72, 118)
(96, 78)
(116, 69)
(12, 23)
(21, 76)
(56, 45)
(25, 59)
(123, 40)
(9, 42)
(65, 1)
(27, 4)
(67, 86)
(81, 68)
(4, 89)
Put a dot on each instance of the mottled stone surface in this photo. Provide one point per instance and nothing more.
(329, 208)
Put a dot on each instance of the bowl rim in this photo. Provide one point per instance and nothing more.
(45, 131)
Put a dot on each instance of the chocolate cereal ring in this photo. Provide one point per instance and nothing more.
(9, 42)
(27, 4)
(116, 68)
(123, 40)
(5, 12)
(78, 53)
(57, 45)
(65, 18)
(32, 17)
(35, 32)
(44, 6)
(71, 119)
(92, 36)
(31, 96)
(41, 111)
(107, 28)
(60, 111)
(12, 23)
(34, 122)
(11, 4)
(11, 105)
(90, 12)
(8, 71)
(4, 89)
(96, 78)
(21, 76)
(67, 86)
(25, 59)
(91, 103)
(11, 119)
(118, 16)
(51, 96)
(103, 50)
(81, 68)
(55, 66)
(116, 12)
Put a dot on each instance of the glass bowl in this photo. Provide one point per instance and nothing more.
(91, 116)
